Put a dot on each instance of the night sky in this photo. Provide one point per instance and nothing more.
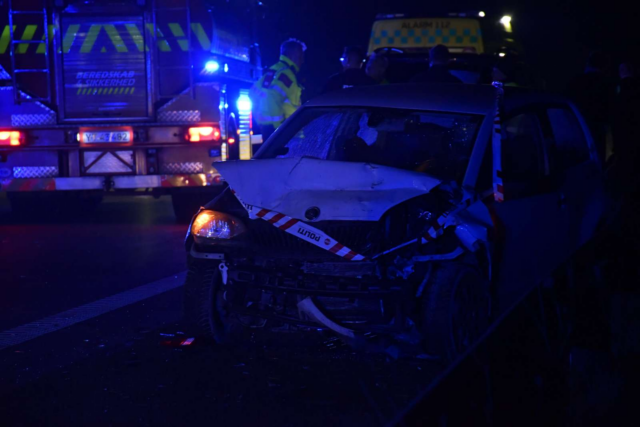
(557, 35)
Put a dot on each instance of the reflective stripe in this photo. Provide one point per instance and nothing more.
(29, 31)
(279, 90)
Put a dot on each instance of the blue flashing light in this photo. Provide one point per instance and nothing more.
(244, 104)
(212, 66)
(226, 68)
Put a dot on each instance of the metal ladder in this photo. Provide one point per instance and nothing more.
(18, 98)
(189, 67)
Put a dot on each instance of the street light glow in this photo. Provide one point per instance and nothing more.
(505, 20)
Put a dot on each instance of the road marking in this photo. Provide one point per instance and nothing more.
(32, 330)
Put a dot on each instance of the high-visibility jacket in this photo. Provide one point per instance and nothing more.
(276, 95)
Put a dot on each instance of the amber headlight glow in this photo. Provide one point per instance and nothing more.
(216, 225)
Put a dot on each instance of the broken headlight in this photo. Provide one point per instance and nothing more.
(216, 225)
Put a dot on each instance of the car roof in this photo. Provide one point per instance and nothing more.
(455, 98)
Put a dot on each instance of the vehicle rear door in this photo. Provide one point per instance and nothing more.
(582, 190)
(531, 223)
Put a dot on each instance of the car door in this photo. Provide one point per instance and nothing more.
(531, 223)
(582, 191)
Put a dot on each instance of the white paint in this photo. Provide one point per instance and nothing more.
(342, 190)
(29, 331)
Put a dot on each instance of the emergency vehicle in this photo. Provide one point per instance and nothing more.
(476, 42)
(130, 95)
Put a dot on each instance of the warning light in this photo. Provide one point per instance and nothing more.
(203, 133)
(212, 66)
(506, 23)
(244, 104)
(481, 14)
(12, 137)
(231, 140)
(502, 54)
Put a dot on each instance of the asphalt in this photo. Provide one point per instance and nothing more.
(82, 344)
(92, 333)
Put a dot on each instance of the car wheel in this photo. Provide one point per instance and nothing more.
(204, 301)
(456, 310)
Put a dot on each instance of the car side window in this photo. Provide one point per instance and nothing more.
(571, 147)
(522, 157)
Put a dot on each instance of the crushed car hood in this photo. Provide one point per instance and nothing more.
(341, 190)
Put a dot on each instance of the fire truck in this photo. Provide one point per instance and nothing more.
(128, 96)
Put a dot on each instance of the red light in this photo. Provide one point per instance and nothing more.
(10, 137)
(231, 140)
(203, 133)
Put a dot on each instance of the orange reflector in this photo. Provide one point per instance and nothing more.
(203, 133)
(231, 140)
(10, 137)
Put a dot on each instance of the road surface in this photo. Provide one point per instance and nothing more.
(91, 333)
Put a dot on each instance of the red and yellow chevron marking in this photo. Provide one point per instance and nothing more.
(302, 231)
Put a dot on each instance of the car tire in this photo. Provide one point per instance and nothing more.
(202, 305)
(456, 310)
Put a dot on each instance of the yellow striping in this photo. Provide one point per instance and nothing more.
(115, 38)
(51, 34)
(162, 42)
(69, 37)
(100, 91)
(27, 35)
(176, 29)
(90, 40)
(110, 90)
(132, 89)
(197, 29)
(79, 90)
(135, 36)
(90, 37)
(4, 38)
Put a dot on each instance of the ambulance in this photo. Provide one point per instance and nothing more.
(475, 40)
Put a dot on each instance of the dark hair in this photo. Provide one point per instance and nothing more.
(353, 51)
(439, 53)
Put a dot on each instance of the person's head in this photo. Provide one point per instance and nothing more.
(294, 50)
(597, 61)
(377, 67)
(439, 55)
(352, 57)
(626, 70)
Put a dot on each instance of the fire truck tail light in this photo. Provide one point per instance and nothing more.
(204, 133)
(12, 137)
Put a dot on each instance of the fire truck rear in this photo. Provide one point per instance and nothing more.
(122, 95)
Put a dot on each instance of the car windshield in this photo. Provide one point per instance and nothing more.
(432, 142)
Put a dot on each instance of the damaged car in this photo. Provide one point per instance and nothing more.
(413, 212)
